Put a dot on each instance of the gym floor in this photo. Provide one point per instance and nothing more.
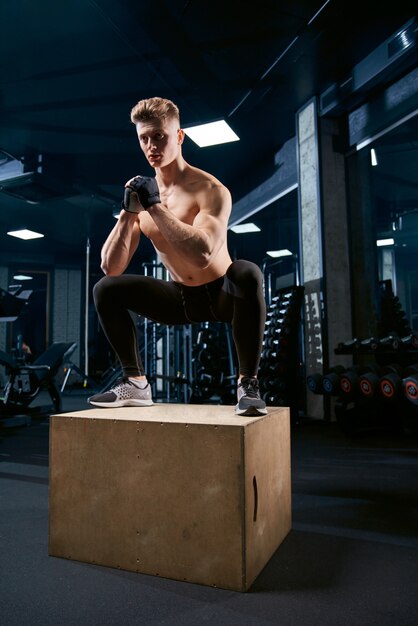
(351, 558)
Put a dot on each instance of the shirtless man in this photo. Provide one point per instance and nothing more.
(184, 212)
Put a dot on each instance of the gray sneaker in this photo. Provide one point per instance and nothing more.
(249, 402)
(124, 393)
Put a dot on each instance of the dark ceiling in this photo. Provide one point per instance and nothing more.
(72, 69)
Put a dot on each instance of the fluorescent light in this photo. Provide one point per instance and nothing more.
(278, 253)
(249, 227)
(22, 277)
(385, 242)
(24, 234)
(211, 134)
(373, 157)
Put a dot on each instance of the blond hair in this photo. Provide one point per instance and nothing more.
(154, 109)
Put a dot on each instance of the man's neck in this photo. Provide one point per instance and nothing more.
(171, 174)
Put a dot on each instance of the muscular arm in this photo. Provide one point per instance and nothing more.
(199, 242)
(121, 244)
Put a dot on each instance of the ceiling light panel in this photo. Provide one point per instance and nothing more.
(22, 277)
(211, 134)
(385, 242)
(24, 233)
(278, 253)
(250, 227)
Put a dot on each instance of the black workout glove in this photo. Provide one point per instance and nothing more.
(147, 191)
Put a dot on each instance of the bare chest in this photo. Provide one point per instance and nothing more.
(180, 205)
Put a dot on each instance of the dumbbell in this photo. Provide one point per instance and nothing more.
(276, 344)
(410, 341)
(284, 297)
(331, 381)
(371, 343)
(314, 383)
(328, 383)
(350, 379)
(279, 323)
(392, 342)
(277, 332)
(349, 346)
(368, 383)
(274, 399)
(410, 384)
(270, 342)
(268, 382)
(274, 312)
(390, 384)
(276, 341)
(349, 382)
(271, 354)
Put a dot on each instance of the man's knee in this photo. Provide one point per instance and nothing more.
(102, 290)
(246, 275)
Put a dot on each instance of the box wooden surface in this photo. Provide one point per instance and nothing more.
(189, 492)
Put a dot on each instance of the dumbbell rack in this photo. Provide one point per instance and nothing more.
(279, 374)
(381, 390)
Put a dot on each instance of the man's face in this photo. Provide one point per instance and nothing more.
(160, 141)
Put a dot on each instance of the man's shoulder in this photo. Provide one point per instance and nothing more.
(204, 180)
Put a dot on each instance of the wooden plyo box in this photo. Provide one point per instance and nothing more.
(189, 492)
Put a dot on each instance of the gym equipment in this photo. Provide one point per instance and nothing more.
(348, 347)
(188, 492)
(12, 303)
(391, 342)
(372, 398)
(25, 382)
(371, 343)
(166, 351)
(328, 384)
(390, 384)
(331, 381)
(279, 365)
(349, 382)
(368, 384)
(409, 384)
(70, 368)
(409, 342)
(379, 395)
(344, 382)
(314, 383)
(359, 380)
(213, 365)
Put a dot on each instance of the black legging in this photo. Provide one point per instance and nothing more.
(236, 297)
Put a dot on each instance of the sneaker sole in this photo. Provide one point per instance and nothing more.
(120, 403)
(250, 411)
